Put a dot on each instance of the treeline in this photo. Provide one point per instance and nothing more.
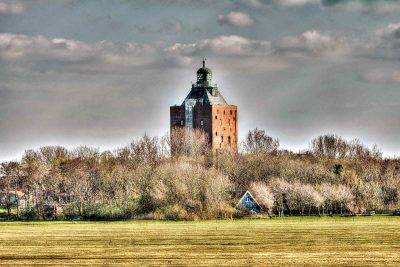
(146, 180)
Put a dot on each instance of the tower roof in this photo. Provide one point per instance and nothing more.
(204, 91)
(204, 75)
(204, 70)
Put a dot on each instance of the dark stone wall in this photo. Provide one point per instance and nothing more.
(177, 116)
(202, 119)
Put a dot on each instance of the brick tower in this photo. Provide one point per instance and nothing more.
(205, 108)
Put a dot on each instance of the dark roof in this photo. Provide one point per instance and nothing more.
(204, 70)
(249, 202)
(206, 96)
(204, 91)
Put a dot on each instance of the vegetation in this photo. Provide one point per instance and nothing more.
(146, 180)
(355, 241)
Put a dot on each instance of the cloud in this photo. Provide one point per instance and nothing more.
(44, 54)
(12, 7)
(378, 7)
(229, 45)
(296, 2)
(165, 26)
(314, 43)
(382, 75)
(308, 44)
(65, 91)
(389, 40)
(237, 19)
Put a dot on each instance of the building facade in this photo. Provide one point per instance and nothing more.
(206, 109)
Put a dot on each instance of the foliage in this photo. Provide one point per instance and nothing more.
(146, 180)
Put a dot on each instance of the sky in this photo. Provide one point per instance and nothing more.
(103, 72)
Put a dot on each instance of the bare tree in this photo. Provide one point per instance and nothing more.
(257, 141)
(263, 195)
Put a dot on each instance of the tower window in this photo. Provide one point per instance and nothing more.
(231, 112)
(229, 139)
(220, 122)
(216, 133)
(201, 123)
(181, 123)
(224, 112)
(222, 139)
(229, 122)
(215, 117)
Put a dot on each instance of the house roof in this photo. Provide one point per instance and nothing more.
(252, 197)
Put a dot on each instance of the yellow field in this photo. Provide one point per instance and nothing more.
(311, 241)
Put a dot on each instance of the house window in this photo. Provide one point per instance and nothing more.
(201, 123)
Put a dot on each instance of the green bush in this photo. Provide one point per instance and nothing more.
(104, 212)
(172, 212)
(29, 213)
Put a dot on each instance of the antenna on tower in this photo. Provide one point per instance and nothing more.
(204, 62)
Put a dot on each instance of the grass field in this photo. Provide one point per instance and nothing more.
(312, 241)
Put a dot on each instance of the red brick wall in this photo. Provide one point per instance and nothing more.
(220, 122)
(224, 127)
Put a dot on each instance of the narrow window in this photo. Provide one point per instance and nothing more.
(222, 139)
(215, 117)
(181, 123)
(229, 139)
(229, 122)
(216, 133)
(217, 111)
(231, 112)
(224, 112)
(201, 123)
(220, 122)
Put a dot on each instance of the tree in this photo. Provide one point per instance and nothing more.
(263, 195)
(184, 141)
(257, 141)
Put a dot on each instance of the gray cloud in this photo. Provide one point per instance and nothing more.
(12, 6)
(237, 19)
(366, 6)
(64, 91)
